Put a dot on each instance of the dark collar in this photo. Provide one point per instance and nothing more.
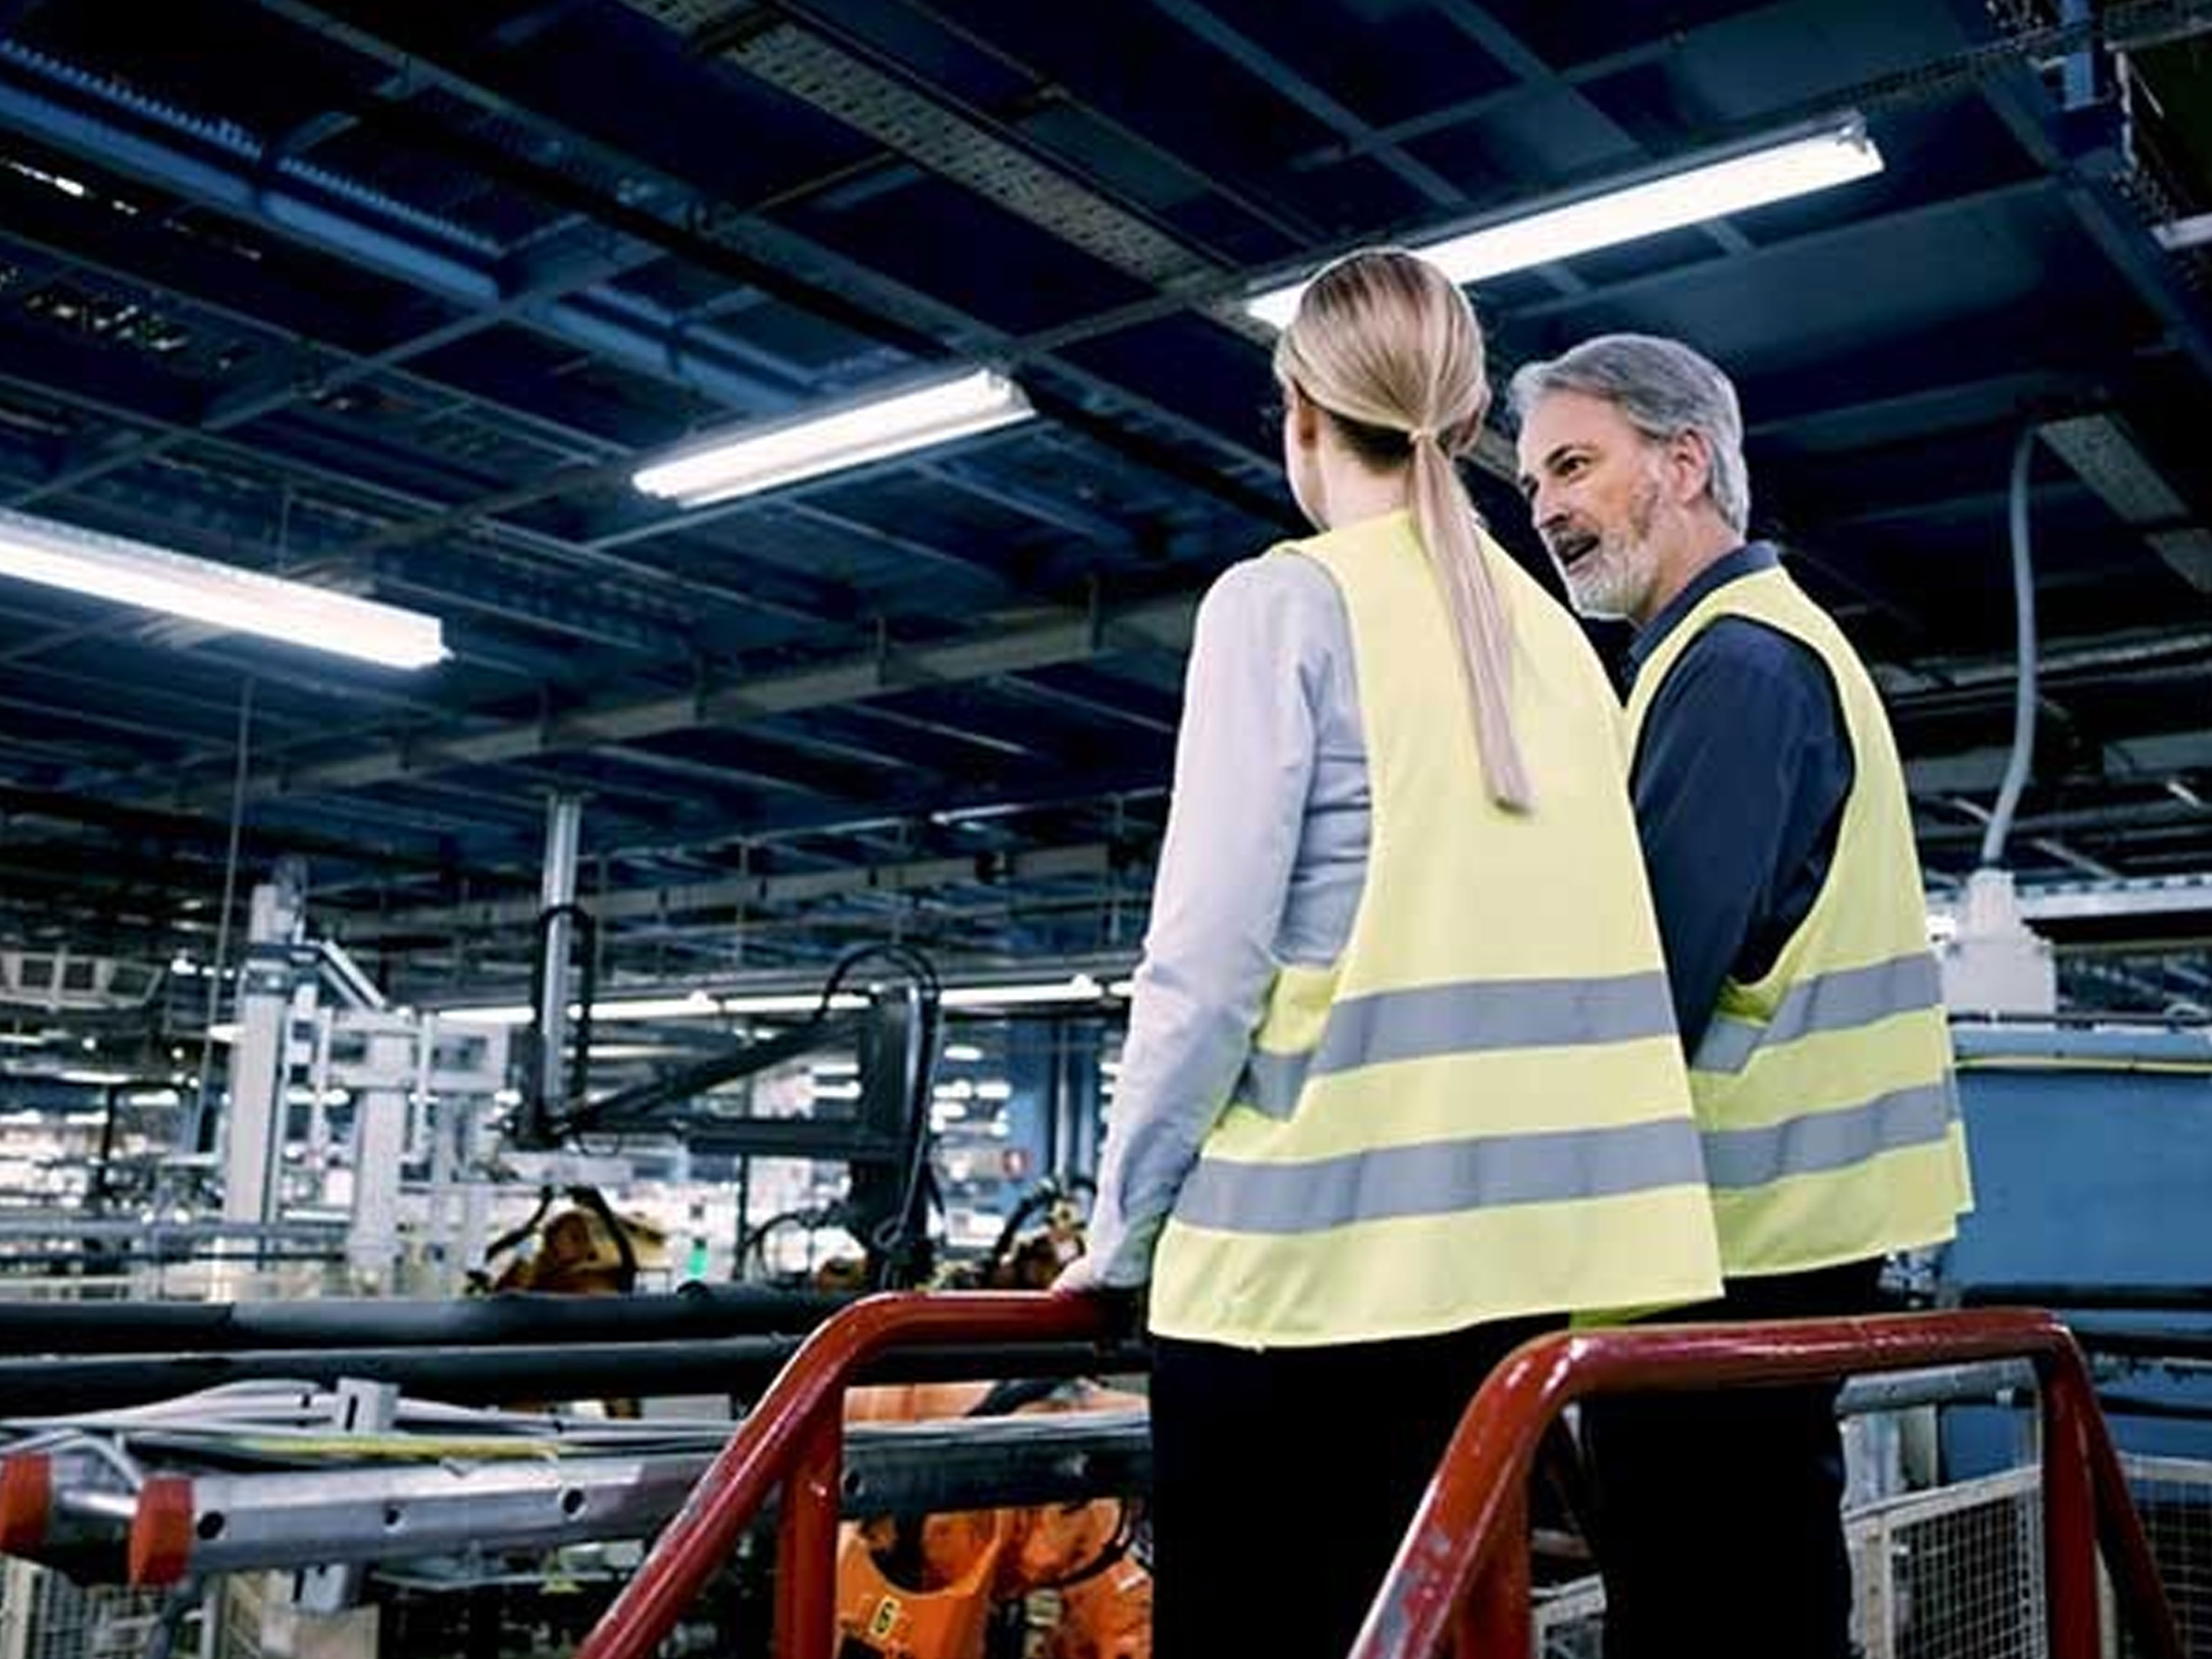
(1748, 560)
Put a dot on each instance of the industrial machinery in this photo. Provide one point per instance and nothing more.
(884, 1140)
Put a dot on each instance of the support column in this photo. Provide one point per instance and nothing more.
(386, 1078)
(253, 1118)
(2081, 77)
(564, 820)
(1033, 1075)
(1077, 1129)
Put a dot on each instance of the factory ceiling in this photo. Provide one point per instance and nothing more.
(395, 298)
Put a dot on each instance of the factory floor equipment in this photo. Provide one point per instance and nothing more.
(287, 1509)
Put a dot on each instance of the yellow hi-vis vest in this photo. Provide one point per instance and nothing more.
(1823, 1091)
(1479, 1110)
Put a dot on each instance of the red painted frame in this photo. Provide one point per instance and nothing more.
(1462, 1573)
(1463, 1568)
(794, 1438)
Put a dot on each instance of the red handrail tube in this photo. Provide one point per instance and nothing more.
(795, 1436)
(1461, 1527)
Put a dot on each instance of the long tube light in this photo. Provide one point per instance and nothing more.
(707, 1005)
(757, 458)
(1835, 154)
(223, 596)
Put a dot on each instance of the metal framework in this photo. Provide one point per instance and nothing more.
(1462, 1573)
(404, 315)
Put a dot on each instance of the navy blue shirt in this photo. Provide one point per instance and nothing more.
(1740, 778)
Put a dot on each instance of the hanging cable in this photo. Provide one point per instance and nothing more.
(2024, 693)
(897, 1244)
(189, 1140)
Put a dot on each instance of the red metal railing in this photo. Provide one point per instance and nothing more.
(794, 1437)
(1463, 1568)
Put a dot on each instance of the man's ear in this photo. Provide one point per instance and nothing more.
(1689, 466)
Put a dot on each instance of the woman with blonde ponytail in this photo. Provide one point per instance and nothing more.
(1401, 1086)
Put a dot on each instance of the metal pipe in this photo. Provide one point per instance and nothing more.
(742, 1364)
(306, 1517)
(1494, 1615)
(2085, 1296)
(1460, 1525)
(2023, 602)
(512, 1317)
(564, 819)
(2143, 1601)
(807, 1541)
(2069, 1538)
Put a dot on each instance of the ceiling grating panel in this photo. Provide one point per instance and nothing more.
(804, 64)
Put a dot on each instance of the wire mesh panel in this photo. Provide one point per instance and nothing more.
(2173, 1495)
(1954, 1573)
(43, 1615)
(1569, 1621)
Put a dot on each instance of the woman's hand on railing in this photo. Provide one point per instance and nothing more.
(1080, 1278)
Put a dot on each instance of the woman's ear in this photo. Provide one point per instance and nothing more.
(1304, 416)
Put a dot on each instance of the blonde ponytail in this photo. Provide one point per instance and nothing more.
(1484, 631)
(1386, 345)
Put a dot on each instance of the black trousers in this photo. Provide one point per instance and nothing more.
(1284, 1479)
(1719, 1517)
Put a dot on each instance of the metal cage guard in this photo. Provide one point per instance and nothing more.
(1462, 1573)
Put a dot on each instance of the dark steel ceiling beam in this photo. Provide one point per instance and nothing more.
(1748, 262)
(812, 276)
(2088, 162)
(1162, 624)
(75, 377)
(1293, 229)
(1279, 76)
(735, 893)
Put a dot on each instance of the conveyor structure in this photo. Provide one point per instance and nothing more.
(259, 1476)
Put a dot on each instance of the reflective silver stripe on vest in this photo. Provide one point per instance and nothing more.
(1821, 1141)
(1470, 1017)
(1826, 1002)
(1439, 1178)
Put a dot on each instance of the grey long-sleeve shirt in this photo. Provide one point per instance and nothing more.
(1264, 863)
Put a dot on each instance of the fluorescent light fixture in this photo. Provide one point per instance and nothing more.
(756, 457)
(221, 595)
(804, 1002)
(1833, 155)
(964, 1052)
(694, 1005)
(1081, 988)
(710, 1005)
(697, 1005)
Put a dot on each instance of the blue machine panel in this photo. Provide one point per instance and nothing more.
(2092, 1166)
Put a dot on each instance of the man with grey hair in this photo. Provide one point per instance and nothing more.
(1771, 807)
